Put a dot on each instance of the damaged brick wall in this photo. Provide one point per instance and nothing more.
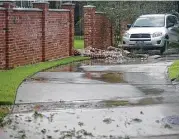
(34, 35)
(98, 31)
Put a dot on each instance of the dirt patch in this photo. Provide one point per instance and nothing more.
(112, 77)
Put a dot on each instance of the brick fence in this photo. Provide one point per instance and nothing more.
(34, 35)
(31, 35)
(98, 30)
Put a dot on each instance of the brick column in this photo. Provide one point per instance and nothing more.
(70, 6)
(45, 7)
(89, 17)
(112, 34)
(8, 6)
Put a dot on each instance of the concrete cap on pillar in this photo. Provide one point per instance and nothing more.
(40, 2)
(68, 4)
(41, 5)
(100, 13)
(89, 6)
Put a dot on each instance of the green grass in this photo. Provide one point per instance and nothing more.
(173, 71)
(79, 44)
(174, 45)
(111, 103)
(11, 79)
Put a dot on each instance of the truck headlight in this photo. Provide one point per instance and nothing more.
(126, 35)
(157, 34)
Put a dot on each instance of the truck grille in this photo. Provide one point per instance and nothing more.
(140, 40)
(140, 36)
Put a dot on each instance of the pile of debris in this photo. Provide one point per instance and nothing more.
(111, 52)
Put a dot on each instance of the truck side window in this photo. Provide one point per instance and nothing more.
(170, 19)
(174, 19)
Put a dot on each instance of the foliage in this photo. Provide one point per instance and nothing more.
(173, 71)
(11, 79)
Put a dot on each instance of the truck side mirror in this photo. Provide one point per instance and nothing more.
(129, 26)
(170, 25)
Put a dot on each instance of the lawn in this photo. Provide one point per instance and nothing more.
(79, 42)
(11, 79)
(173, 71)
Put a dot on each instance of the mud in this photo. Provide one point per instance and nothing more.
(107, 77)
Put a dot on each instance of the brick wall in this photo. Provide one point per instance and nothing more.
(2, 38)
(33, 35)
(25, 37)
(102, 31)
(98, 30)
(70, 7)
(57, 35)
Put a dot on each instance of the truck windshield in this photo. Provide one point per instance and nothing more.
(153, 21)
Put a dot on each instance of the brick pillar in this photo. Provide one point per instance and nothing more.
(70, 6)
(45, 7)
(112, 34)
(89, 17)
(8, 6)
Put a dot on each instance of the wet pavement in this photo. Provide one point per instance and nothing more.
(95, 99)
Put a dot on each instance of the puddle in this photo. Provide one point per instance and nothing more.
(151, 91)
(75, 67)
(108, 77)
(149, 101)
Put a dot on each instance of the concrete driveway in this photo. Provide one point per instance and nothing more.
(103, 101)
